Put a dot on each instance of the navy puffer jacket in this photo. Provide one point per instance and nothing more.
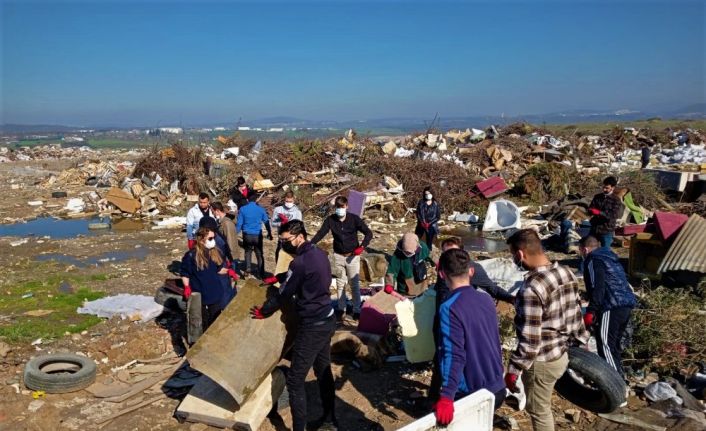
(606, 283)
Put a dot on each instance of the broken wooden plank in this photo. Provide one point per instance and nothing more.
(239, 352)
(210, 404)
(144, 384)
(131, 409)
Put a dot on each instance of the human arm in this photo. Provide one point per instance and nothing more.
(228, 230)
(365, 230)
(276, 220)
(293, 281)
(436, 214)
(420, 212)
(482, 281)
(266, 222)
(298, 215)
(323, 230)
(452, 351)
(528, 321)
(191, 223)
(241, 220)
(185, 272)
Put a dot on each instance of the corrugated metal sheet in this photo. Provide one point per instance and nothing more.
(688, 253)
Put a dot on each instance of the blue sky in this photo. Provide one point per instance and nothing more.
(139, 63)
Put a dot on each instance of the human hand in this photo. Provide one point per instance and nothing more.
(594, 211)
(223, 271)
(588, 319)
(283, 218)
(389, 289)
(232, 274)
(187, 291)
(191, 243)
(444, 411)
(270, 280)
(358, 251)
(256, 313)
(511, 382)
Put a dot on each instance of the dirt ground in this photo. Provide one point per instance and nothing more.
(384, 399)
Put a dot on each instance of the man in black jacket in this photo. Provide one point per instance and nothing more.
(344, 227)
(610, 299)
(306, 283)
(605, 208)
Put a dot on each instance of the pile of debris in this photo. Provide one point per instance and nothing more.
(57, 151)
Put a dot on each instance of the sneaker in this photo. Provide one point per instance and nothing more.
(356, 316)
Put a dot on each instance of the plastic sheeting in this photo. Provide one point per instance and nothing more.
(504, 272)
(133, 307)
(502, 215)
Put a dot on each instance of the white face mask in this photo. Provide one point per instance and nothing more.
(427, 196)
(289, 205)
(210, 243)
(341, 212)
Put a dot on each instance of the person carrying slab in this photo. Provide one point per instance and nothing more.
(344, 227)
(306, 284)
(469, 351)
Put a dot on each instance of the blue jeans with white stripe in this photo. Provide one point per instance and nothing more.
(610, 328)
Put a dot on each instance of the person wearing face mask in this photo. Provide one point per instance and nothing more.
(202, 270)
(306, 284)
(227, 230)
(288, 211)
(547, 316)
(605, 209)
(201, 209)
(240, 193)
(428, 216)
(407, 271)
(469, 352)
(344, 228)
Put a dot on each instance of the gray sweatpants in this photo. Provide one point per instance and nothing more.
(347, 272)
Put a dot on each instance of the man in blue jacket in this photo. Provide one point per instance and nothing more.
(469, 352)
(610, 299)
(251, 217)
(307, 284)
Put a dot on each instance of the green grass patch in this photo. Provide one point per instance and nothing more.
(61, 294)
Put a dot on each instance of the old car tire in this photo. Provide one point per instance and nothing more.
(606, 391)
(59, 373)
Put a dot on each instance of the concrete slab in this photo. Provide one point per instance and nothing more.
(239, 352)
(210, 404)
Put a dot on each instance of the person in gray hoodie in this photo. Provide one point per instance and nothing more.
(284, 213)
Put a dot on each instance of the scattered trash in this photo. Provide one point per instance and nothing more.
(133, 307)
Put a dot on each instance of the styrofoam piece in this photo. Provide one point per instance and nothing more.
(471, 413)
(504, 272)
(416, 318)
(133, 307)
(502, 215)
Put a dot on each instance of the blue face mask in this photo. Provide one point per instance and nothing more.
(341, 212)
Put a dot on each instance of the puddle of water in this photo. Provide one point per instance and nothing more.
(101, 259)
(67, 228)
(473, 240)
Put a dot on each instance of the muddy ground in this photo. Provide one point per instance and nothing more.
(137, 262)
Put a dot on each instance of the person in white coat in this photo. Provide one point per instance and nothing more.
(195, 214)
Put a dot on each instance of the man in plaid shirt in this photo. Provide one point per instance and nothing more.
(548, 314)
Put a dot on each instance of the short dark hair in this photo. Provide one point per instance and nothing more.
(340, 201)
(452, 240)
(589, 241)
(427, 189)
(526, 240)
(209, 222)
(294, 227)
(204, 195)
(289, 194)
(455, 262)
(610, 181)
(252, 197)
(217, 206)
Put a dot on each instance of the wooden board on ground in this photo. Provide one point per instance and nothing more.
(239, 352)
(210, 404)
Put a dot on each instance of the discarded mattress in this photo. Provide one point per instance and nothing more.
(133, 307)
(502, 215)
(416, 318)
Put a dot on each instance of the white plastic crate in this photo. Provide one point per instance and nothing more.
(471, 413)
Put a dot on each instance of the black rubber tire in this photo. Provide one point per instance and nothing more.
(608, 388)
(43, 373)
(58, 195)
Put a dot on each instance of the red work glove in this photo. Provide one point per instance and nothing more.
(425, 225)
(588, 319)
(232, 274)
(358, 251)
(444, 410)
(256, 313)
(389, 289)
(187, 291)
(594, 211)
(511, 382)
(270, 280)
(191, 244)
(283, 218)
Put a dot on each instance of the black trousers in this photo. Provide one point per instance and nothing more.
(429, 235)
(209, 314)
(254, 243)
(312, 347)
(610, 328)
